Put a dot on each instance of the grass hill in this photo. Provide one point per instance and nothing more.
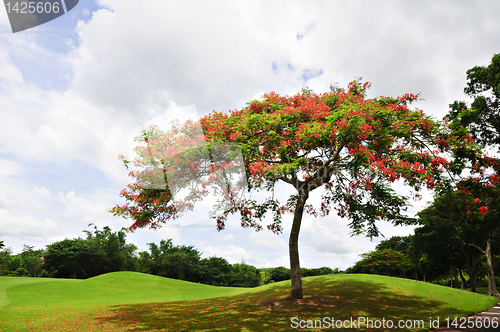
(110, 288)
(130, 301)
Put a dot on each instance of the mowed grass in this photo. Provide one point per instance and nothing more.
(43, 304)
(128, 301)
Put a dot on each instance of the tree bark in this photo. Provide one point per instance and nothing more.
(293, 247)
(492, 285)
(472, 269)
(463, 283)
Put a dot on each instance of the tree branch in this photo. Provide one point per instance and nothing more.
(469, 244)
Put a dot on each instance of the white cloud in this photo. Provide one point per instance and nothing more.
(25, 227)
(9, 74)
(266, 239)
(87, 210)
(14, 197)
(232, 253)
(228, 237)
(188, 61)
(8, 167)
(42, 192)
(330, 235)
(164, 233)
(133, 61)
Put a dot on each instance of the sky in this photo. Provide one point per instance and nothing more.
(74, 91)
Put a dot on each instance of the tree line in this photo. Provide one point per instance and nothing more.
(104, 251)
(433, 254)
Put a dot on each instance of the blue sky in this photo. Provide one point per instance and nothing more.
(73, 90)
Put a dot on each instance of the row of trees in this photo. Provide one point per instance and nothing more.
(25, 264)
(427, 256)
(100, 252)
(105, 251)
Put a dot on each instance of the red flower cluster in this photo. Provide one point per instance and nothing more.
(483, 210)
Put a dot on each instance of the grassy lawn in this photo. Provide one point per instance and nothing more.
(43, 304)
(128, 301)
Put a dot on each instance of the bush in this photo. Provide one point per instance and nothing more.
(316, 272)
(20, 272)
(244, 276)
(280, 274)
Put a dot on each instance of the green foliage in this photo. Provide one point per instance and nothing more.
(265, 277)
(469, 217)
(244, 275)
(185, 263)
(383, 262)
(73, 258)
(4, 259)
(397, 243)
(117, 254)
(280, 273)
(21, 272)
(33, 265)
(181, 262)
(215, 271)
(27, 263)
(482, 118)
(15, 262)
(32, 260)
(305, 272)
(434, 253)
(352, 147)
(496, 256)
(101, 252)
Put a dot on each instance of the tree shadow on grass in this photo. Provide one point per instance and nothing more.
(272, 310)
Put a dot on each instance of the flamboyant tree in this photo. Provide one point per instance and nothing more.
(352, 147)
(384, 262)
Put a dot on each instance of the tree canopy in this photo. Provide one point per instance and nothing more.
(384, 262)
(470, 216)
(352, 147)
(397, 243)
(482, 118)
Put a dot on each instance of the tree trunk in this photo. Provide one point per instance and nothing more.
(462, 285)
(492, 285)
(293, 247)
(472, 269)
